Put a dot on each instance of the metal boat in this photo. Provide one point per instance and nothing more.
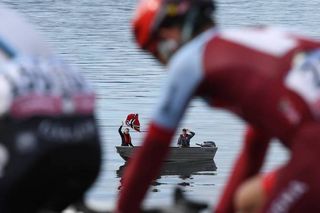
(205, 152)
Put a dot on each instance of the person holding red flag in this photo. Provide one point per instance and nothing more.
(125, 136)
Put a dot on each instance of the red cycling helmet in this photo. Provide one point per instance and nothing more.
(153, 14)
(143, 21)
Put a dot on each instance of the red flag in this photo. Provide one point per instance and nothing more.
(132, 121)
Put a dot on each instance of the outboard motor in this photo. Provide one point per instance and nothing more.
(208, 144)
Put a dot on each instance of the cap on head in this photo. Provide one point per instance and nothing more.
(151, 15)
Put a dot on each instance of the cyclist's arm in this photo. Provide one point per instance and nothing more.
(248, 164)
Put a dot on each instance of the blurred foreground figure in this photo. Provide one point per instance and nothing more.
(267, 76)
(49, 143)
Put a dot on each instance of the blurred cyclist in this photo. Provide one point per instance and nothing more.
(267, 76)
(49, 142)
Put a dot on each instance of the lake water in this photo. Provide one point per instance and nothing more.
(95, 36)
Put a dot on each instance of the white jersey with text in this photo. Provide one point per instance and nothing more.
(38, 86)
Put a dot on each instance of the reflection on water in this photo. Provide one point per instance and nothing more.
(184, 171)
(188, 168)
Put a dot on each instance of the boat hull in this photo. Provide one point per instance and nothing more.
(185, 168)
(176, 154)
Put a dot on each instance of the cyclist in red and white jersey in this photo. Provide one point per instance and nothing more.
(49, 142)
(267, 76)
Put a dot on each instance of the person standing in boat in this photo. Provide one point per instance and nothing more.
(125, 136)
(184, 139)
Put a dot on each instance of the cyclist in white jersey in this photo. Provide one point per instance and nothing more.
(49, 143)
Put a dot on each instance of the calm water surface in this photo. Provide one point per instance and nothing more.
(95, 36)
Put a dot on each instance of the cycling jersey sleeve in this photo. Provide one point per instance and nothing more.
(248, 164)
(184, 77)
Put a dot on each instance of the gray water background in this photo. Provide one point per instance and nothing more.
(95, 36)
